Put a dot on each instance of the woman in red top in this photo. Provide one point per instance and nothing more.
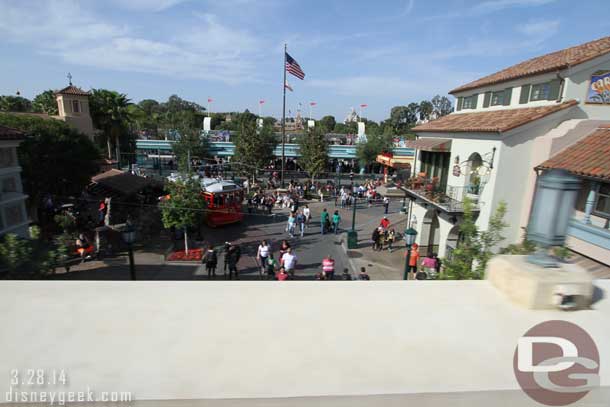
(282, 275)
(385, 222)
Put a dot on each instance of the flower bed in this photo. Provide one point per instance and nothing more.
(180, 255)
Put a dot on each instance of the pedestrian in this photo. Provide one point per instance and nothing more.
(233, 255)
(323, 220)
(438, 263)
(271, 267)
(307, 213)
(282, 275)
(289, 262)
(262, 254)
(363, 274)
(413, 260)
(346, 276)
(321, 194)
(385, 223)
(291, 224)
(328, 267)
(390, 239)
(336, 220)
(225, 252)
(300, 221)
(284, 246)
(429, 264)
(210, 259)
(101, 213)
(376, 238)
(386, 204)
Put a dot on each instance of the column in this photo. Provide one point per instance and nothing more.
(590, 202)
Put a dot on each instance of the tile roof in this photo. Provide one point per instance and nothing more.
(494, 121)
(589, 157)
(7, 133)
(124, 183)
(72, 90)
(547, 63)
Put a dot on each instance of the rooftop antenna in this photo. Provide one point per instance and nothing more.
(69, 76)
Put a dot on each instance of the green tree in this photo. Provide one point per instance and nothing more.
(425, 109)
(111, 113)
(376, 144)
(469, 259)
(189, 145)
(184, 208)
(442, 106)
(327, 123)
(26, 259)
(56, 159)
(254, 147)
(313, 149)
(45, 102)
(10, 103)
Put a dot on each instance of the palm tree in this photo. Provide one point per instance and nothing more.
(111, 112)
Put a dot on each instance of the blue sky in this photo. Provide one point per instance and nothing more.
(382, 53)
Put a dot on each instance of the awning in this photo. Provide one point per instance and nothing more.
(396, 161)
(430, 144)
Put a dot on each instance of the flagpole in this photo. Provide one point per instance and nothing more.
(284, 116)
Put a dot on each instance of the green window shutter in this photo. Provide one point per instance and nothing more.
(487, 99)
(475, 98)
(525, 94)
(554, 89)
(459, 103)
(508, 93)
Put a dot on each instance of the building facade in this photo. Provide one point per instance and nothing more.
(13, 215)
(504, 126)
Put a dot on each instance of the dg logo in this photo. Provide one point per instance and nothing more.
(556, 363)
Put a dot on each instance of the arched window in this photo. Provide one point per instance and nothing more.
(473, 179)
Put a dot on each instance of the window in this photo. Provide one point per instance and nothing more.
(497, 98)
(9, 184)
(470, 102)
(540, 91)
(602, 206)
(75, 106)
(7, 157)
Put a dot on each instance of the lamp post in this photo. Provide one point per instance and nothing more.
(352, 235)
(129, 237)
(553, 207)
(410, 235)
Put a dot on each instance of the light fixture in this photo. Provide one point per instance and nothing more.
(410, 235)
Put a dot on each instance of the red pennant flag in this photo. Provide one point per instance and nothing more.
(364, 105)
(210, 100)
(261, 102)
(313, 103)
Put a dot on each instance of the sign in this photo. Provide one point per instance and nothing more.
(599, 88)
(457, 171)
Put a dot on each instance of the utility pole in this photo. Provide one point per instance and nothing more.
(284, 117)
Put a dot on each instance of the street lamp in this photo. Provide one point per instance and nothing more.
(129, 236)
(410, 235)
(553, 206)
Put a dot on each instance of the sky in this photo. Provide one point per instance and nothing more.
(379, 53)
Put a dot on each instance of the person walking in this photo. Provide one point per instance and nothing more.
(300, 220)
(291, 225)
(385, 223)
(271, 265)
(262, 255)
(328, 267)
(386, 205)
(307, 213)
(376, 237)
(225, 252)
(282, 275)
(363, 274)
(210, 259)
(429, 264)
(413, 260)
(390, 239)
(289, 262)
(323, 220)
(336, 220)
(233, 255)
(346, 276)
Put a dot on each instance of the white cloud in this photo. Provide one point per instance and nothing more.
(207, 49)
(498, 5)
(540, 28)
(146, 5)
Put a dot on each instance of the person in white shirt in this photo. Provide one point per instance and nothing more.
(263, 254)
(307, 214)
(289, 262)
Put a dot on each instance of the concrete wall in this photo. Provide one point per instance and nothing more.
(202, 340)
(578, 82)
(79, 120)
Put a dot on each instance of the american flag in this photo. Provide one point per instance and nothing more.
(287, 86)
(294, 68)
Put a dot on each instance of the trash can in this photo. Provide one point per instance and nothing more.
(352, 239)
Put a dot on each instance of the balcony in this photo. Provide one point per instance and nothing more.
(448, 199)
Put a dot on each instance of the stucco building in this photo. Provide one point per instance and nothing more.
(13, 215)
(504, 129)
(73, 107)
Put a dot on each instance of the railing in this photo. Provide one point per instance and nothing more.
(449, 199)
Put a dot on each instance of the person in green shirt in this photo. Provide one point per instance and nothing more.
(323, 220)
(272, 265)
(336, 220)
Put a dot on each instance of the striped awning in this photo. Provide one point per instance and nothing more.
(430, 144)
(395, 161)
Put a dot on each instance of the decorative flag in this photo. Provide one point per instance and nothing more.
(261, 102)
(364, 105)
(293, 67)
(313, 103)
(287, 86)
(210, 100)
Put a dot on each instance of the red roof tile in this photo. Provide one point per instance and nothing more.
(72, 90)
(547, 63)
(494, 121)
(589, 157)
(7, 133)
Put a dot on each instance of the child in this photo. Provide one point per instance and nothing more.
(390, 239)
